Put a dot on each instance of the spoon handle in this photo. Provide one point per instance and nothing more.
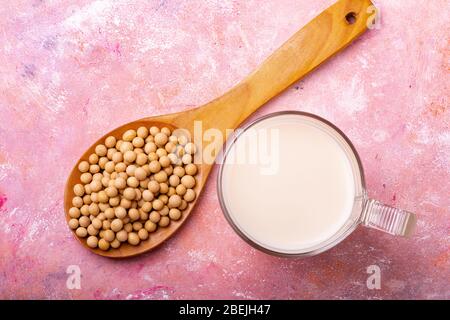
(320, 39)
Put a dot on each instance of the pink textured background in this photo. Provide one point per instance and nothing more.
(72, 70)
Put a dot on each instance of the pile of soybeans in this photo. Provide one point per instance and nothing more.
(132, 186)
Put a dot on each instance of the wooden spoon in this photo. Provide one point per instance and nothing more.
(328, 33)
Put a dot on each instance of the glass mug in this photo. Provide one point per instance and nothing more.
(330, 157)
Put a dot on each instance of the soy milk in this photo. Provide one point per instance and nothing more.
(293, 187)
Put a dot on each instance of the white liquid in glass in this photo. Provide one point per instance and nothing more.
(308, 196)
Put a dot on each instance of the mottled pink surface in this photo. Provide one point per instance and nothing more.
(72, 70)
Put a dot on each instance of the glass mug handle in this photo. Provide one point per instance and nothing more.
(382, 217)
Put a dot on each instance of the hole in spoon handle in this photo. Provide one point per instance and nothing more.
(351, 17)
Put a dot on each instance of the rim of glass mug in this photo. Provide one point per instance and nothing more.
(365, 211)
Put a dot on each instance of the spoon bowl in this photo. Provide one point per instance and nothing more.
(156, 237)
